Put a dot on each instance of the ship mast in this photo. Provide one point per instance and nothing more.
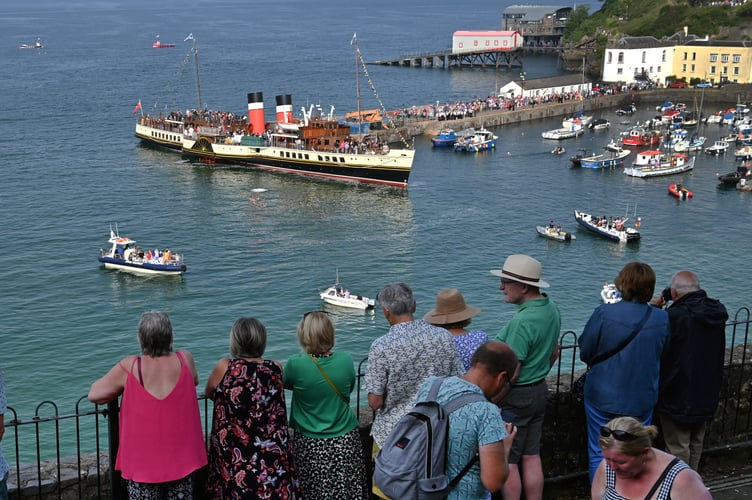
(194, 50)
(354, 41)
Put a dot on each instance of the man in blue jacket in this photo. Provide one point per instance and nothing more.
(691, 367)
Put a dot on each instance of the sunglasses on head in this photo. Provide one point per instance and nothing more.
(619, 435)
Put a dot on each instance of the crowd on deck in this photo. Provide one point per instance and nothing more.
(642, 355)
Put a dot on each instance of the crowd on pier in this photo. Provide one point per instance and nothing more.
(642, 355)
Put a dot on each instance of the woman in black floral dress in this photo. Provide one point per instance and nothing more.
(250, 454)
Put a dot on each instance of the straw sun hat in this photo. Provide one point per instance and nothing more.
(450, 308)
(523, 269)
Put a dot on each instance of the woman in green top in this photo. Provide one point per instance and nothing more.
(327, 441)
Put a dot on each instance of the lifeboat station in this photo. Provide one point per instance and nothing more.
(524, 27)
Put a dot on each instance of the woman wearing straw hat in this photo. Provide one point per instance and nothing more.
(452, 313)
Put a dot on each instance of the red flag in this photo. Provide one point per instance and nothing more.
(137, 107)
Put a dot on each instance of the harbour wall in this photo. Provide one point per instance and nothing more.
(717, 98)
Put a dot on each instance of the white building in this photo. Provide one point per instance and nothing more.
(638, 58)
(542, 87)
(476, 41)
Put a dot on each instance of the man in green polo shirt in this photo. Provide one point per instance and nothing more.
(533, 334)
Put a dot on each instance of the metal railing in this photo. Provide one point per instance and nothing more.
(68, 455)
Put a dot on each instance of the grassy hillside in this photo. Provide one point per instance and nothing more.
(661, 18)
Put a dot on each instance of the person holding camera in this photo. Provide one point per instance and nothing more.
(622, 344)
(688, 397)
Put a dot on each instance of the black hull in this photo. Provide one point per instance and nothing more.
(386, 176)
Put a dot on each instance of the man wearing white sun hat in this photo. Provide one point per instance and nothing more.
(533, 334)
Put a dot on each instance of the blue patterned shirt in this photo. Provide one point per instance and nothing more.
(399, 362)
(3, 408)
(471, 426)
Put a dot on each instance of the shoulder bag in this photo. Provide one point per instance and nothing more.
(578, 386)
(339, 393)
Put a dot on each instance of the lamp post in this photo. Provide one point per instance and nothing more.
(522, 83)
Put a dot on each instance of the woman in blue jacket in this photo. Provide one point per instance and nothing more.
(622, 344)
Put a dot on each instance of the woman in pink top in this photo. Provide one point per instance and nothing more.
(161, 441)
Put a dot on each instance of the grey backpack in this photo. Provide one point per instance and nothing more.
(410, 466)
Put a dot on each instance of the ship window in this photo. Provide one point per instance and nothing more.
(341, 159)
(320, 158)
(306, 156)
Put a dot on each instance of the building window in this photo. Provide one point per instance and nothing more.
(713, 57)
(663, 56)
(712, 70)
(694, 56)
(684, 68)
(692, 68)
(724, 58)
(685, 56)
(621, 58)
(725, 70)
(610, 57)
(737, 58)
(736, 71)
(644, 57)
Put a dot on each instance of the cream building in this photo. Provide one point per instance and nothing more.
(714, 61)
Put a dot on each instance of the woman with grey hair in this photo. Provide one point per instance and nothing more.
(328, 448)
(632, 468)
(161, 441)
(250, 454)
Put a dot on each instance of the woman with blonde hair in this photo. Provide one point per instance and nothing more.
(632, 469)
(250, 455)
(328, 448)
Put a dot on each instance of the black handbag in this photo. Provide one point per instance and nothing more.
(578, 386)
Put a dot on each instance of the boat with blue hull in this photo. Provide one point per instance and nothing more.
(611, 158)
(613, 228)
(477, 140)
(125, 255)
(446, 138)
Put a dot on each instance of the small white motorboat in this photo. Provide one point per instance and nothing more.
(609, 293)
(125, 255)
(336, 295)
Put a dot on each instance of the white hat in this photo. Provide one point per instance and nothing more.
(523, 269)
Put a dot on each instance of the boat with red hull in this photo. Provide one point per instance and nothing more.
(160, 45)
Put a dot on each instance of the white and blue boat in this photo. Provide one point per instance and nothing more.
(611, 158)
(614, 228)
(479, 140)
(446, 138)
(125, 255)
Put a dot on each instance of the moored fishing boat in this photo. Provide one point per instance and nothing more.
(743, 153)
(610, 158)
(564, 133)
(640, 136)
(717, 148)
(446, 138)
(614, 228)
(653, 163)
(125, 255)
(743, 171)
(479, 140)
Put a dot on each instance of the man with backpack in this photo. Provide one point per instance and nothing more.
(456, 431)
(401, 360)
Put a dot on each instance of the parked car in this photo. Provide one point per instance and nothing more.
(704, 85)
(677, 85)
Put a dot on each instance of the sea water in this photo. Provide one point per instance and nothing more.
(72, 169)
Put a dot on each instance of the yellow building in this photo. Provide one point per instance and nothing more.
(714, 61)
